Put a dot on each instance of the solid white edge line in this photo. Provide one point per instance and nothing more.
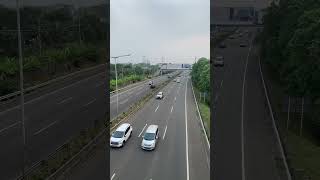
(205, 132)
(114, 174)
(274, 125)
(142, 130)
(171, 109)
(186, 121)
(165, 130)
(156, 108)
(42, 129)
(242, 114)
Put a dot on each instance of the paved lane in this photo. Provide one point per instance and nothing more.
(243, 138)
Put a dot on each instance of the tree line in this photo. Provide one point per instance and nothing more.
(291, 48)
(55, 40)
(200, 76)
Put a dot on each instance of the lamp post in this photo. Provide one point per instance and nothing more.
(115, 68)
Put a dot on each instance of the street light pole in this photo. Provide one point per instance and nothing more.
(21, 88)
(115, 68)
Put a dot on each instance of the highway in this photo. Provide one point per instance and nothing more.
(244, 145)
(181, 152)
(129, 96)
(53, 116)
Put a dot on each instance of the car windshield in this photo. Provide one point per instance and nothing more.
(160, 93)
(149, 136)
(118, 134)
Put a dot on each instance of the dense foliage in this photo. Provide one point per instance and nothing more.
(130, 73)
(55, 40)
(201, 75)
(291, 47)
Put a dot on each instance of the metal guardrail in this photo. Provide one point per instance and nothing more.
(30, 89)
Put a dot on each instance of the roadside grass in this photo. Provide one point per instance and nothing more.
(304, 156)
(303, 153)
(205, 115)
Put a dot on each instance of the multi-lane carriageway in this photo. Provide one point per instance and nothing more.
(181, 153)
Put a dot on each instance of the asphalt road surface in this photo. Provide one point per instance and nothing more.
(52, 117)
(128, 97)
(176, 156)
(243, 138)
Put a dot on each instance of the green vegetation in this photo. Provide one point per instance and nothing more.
(205, 115)
(125, 81)
(310, 161)
(291, 50)
(130, 73)
(200, 76)
(52, 42)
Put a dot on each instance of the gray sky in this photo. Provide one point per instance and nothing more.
(178, 30)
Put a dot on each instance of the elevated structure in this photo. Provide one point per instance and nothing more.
(237, 12)
(172, 66)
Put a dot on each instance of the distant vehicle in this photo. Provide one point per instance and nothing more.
(174, 80)
(121, 135)
(178, 80)
(240, 35)
(149, 139)
(150, 82)
(152, 86)
(159, 95)
(222, 45)
(243, 44)
(218, 61)
(232, 37)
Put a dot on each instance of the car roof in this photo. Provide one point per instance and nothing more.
(152, 128)
(123, 127)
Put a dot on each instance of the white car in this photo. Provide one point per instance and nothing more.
(150, 82)
(159, 95)
(121, 135)
(178, 80)
(149, 139)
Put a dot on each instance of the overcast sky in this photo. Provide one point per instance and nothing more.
(178, 30)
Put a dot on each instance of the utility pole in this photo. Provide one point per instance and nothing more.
(288, 120)
(79, 26)
(301, 120)
(39, 35)
(115, 68)
(21, 88)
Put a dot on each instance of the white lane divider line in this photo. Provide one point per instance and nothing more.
(8, 127)
(124, 101)
(175, 98)
(114, 174)
(243, 169)
(165, 130)
(90, 102)
(51, 124)
(142, 130)
(186, 121)
(171, 109)
(65, 100)
(156, 108)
